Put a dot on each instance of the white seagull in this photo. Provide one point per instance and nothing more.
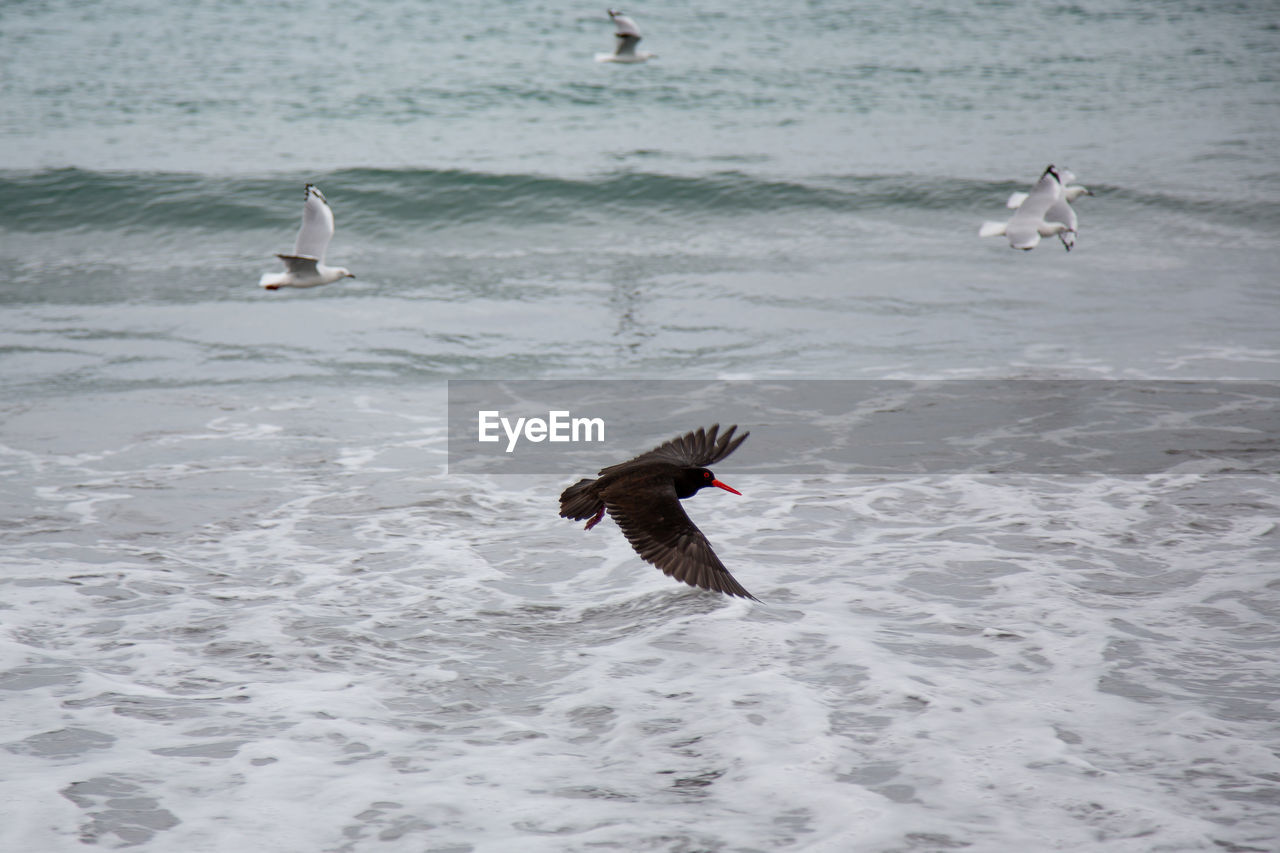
(628, 35)
(1060, 210)
(1029, 222)
(305, 267)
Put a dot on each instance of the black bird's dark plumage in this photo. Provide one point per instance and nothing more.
(643, 496)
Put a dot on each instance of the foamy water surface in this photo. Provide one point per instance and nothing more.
(277, 623)
(244, 605)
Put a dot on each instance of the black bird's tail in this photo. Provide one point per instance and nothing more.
(580, 501)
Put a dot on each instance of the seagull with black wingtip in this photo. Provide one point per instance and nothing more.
(628, 36)
(643, 496)
(1028, 223)
(306, 266)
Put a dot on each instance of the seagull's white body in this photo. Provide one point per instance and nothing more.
(306, 267)
(1030, 221)
(628, 36)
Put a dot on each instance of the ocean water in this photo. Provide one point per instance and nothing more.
(247, 600)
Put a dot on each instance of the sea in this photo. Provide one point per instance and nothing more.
(1012, 518)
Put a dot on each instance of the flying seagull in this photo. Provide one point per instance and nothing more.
(1028, 223)
(1061, 210)
(305, 267)
(628, 35)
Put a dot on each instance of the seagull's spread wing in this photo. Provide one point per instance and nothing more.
(659, 530)
(626, 45)
(1062, 212)
(1023, 229)
(1046, 191)
(626, 26)
(317, 226)
(299, 265)
(627, 32)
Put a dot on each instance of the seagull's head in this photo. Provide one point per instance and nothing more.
(613, 13)
(346, 273)
(1051, 170)
(311, 190)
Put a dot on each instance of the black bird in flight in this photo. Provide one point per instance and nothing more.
(643, 495)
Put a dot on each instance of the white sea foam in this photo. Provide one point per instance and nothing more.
(297, 634)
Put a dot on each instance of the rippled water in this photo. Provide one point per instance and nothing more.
(247, 602)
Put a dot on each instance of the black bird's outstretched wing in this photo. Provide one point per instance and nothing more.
(581, 500)
(656, 525)
(696, 449)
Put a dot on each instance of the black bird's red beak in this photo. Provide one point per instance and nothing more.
(726, 488)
